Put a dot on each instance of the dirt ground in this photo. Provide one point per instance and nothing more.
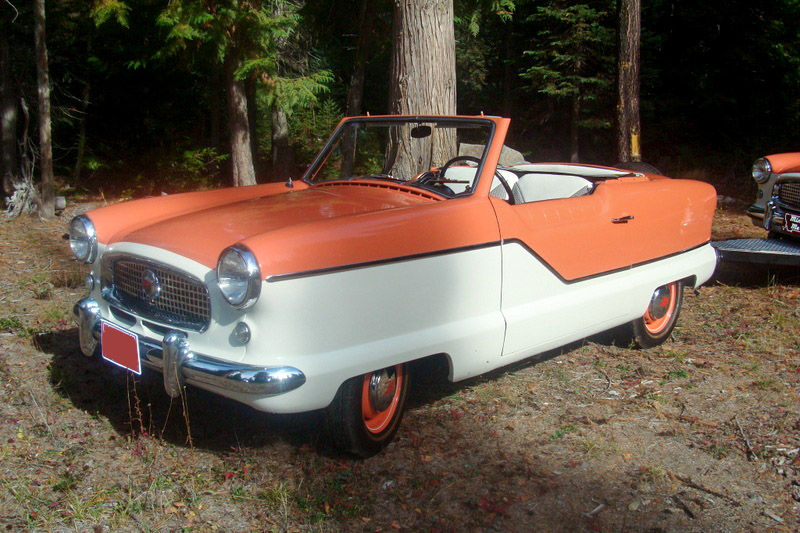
(700, 434)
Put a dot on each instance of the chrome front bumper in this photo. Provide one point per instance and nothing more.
(174, 358)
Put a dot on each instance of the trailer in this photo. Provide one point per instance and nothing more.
(772, 251)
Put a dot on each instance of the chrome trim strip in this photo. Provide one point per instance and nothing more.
(197, 369)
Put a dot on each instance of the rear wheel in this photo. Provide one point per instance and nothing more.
(655, 326)
(366, 412)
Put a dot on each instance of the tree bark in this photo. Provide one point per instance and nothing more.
(238, 125)
(628, 120)
(575, 155)
(423, 81)
(282, 156)
(8, 119)
(43, 89)
(252, 118)
(355, 94)
(76, 174)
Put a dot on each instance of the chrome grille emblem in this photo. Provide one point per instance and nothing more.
(150, 284)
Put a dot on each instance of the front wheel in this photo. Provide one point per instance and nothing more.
(655, 326)
(366, 412)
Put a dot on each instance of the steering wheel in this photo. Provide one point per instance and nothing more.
(456, 159)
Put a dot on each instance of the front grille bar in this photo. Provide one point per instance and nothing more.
(183, 300)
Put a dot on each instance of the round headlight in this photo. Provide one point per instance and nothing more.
(761, 170)
(238, 276)
(83, 239)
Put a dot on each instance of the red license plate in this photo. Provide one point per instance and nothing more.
(791, 224)
(121, 347)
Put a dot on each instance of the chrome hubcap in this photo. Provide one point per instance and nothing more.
(659, 304)
(382, 386)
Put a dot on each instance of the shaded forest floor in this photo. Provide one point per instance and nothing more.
(700, 434)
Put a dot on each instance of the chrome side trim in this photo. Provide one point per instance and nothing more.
(180, 365)
(87, 315)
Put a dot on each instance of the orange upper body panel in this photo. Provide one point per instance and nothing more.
(348, 223)
(202, 233)
(126, 217)
(783, 163)
(624, 222)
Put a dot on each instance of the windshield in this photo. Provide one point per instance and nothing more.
(442, 155)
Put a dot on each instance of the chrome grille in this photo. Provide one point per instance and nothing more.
(789, 193)
(183, 300)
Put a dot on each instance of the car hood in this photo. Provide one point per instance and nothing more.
(201, 235)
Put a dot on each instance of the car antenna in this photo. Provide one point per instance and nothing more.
(289, 183)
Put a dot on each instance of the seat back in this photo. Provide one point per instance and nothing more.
(539, 187)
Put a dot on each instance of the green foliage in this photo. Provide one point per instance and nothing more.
(573, 56)
(105, 10)
(471, 13)
(310, 127)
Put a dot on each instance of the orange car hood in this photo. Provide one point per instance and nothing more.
(203, 234)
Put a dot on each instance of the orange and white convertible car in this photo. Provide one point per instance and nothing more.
(404, 239)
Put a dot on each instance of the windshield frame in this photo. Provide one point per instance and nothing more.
(454, 121)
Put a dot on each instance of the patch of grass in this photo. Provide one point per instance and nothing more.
(562, 431)
(677, 374)
(10, 323)
(67, 482)
(69, 279)
(719, 451)
(653, 473)
(597, 448)
(769, 384)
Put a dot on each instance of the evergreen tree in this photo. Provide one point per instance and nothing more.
(572, 60)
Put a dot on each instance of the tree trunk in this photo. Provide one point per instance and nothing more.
(509, 69)
(43, 89)
(574, 138)
(252, 118)
(8, 120)
(355, 94)
(628, 121)
(423, 81)
(282, 156)
(76, 174)
(238, 125)
(215, 102)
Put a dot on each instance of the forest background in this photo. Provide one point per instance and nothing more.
(139, 104)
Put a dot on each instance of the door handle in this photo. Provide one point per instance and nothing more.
(622, 220)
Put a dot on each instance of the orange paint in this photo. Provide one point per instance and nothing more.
(128, 216)
(577, 238)
(783, 163)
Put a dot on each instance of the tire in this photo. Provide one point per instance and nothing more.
(638, 166)
(655, 326)
(366, 412)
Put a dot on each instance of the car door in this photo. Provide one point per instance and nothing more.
(564, 264)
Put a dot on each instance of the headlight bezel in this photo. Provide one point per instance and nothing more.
(761, 170)
(243, 285)
(83, 234)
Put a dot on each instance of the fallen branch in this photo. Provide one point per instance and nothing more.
(686, 480)
(751, 455)
(682, 504)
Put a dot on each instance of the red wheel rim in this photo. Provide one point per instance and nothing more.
(388, 393)
(661, 309)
